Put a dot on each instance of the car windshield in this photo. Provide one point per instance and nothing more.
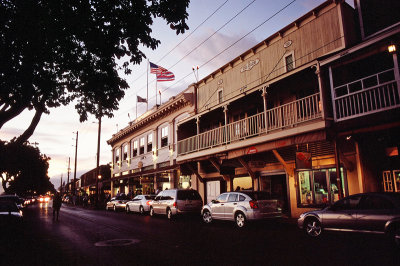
(8, 206)
(258, 195)
(188, 195)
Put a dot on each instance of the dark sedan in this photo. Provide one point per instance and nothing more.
(377, 213)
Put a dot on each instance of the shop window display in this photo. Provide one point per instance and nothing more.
(319, 187)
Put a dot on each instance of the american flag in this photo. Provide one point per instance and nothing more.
(161, 73)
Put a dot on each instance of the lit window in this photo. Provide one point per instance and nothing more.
(319, 187)
(289, 62)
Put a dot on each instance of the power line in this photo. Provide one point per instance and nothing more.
(212, 14)
(209, 37)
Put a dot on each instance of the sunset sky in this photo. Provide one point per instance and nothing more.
(54, 133)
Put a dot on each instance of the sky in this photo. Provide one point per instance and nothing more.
(214, 26)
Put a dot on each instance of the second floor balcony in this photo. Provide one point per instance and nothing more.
(275, 120)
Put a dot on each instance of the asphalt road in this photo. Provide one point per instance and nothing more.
(93, 237)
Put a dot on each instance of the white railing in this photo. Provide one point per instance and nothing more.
(287, 115)
(375, 93)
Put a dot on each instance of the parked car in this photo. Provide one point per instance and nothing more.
(140, 203)
(366, 213)
(117, 203)
(10, 214)
(17, 200)
(172, 202)
(241, 207)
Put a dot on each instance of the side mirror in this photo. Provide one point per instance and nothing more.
(214, 201)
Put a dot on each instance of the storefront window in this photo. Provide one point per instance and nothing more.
(305, 187)
(184, 182)
(319, 187)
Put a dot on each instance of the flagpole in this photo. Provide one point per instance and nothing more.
(147, 103)
(156, 92)
(136, 107)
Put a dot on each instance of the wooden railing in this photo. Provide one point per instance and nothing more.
(287, 115)
(375, 93)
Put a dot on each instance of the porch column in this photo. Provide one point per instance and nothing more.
(396, 71)
(112, 188)
(264, 95)
(337, 161)
(321, 103)
(226, 123)
(197, 132)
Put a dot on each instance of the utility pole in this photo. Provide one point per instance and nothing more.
(76, 154)
(97, 163)
(68, 171)
(61, 184)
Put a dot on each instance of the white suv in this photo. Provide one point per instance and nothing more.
(242, 206)
(176, 201)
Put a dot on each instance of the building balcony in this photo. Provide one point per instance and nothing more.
(275, 120)
(368, 95)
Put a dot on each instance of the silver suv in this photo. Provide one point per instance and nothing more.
(241, 207)
(176, 201)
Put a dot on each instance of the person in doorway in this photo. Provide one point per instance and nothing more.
(56, 205)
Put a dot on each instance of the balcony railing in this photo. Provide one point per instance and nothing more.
(375, 93)
(284, 116)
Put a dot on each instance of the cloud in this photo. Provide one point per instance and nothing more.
(215, 45)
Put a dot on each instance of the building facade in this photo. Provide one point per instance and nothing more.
(144, 152)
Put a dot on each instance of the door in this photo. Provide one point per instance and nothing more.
(217, 208)
(230, 205)
(374, 212)
(156, 202)
(136, 203)
(342, 214)
(213, 190)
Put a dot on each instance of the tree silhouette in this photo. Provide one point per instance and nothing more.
(53, 53)
(23, 169)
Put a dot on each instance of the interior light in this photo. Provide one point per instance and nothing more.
(392, 48)
(348, 137)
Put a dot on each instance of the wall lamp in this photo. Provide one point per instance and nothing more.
(392, 48)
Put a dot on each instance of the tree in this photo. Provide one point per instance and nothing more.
(55, 52)
(23, 169)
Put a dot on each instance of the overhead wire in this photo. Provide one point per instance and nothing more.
(226, 23)
(198, 26)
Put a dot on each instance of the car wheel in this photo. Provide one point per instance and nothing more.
(240, 220)
(207, 218)
(115, 208)
(127, 209)
(151, 211)
(169, 214)
(313, 227)
(141, 210)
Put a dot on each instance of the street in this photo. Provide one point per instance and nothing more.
(99, 237)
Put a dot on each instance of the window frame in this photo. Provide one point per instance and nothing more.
(313, 203)
(220, 99)
(164, 136)
(135, 148)
(149, 143)
(293, 61)
(141, 145)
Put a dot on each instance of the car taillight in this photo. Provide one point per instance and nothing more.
(253, 204)
(148, 203)
(175, 205)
